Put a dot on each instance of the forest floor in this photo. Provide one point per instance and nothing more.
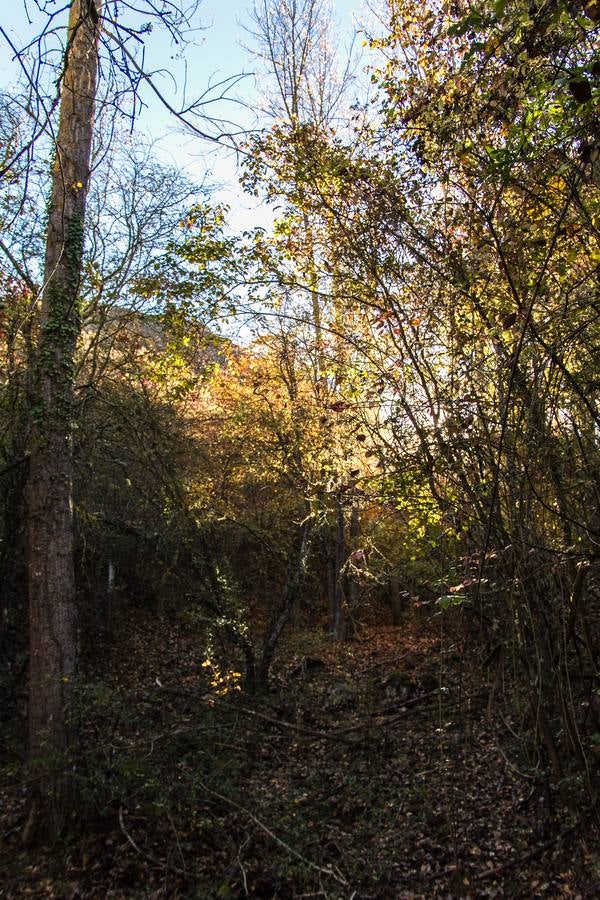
(372, 770)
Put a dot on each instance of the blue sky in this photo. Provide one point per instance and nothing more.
(215, 54)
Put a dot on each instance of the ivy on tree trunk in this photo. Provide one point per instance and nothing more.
(50, 507)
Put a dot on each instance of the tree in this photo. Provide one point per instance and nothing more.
(50, 514)
(296, 42)
(489, 118)
(52, 627)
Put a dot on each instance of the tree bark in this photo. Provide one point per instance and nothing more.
(352, 580)
(336, 600)
(52, 620)
(289, 598)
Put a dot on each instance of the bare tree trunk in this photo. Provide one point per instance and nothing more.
(52, 626)
(289, 598)
(352, 579)
(336, 610)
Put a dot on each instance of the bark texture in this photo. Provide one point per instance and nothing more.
(50, 509)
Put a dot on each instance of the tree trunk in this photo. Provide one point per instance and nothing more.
(52, 629)
(336, 600)
(289, 598)
(352, 564)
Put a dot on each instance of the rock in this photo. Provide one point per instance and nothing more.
(307, 666)
(342, 695)
(398, 687)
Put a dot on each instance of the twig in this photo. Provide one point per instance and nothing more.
(405, 709)
(148, 856)
(176, 833)
(337, 876)
(241, 865)
(291, 726)
(310, 732)
(127, 835)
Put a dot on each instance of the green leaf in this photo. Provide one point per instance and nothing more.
(451, 601)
